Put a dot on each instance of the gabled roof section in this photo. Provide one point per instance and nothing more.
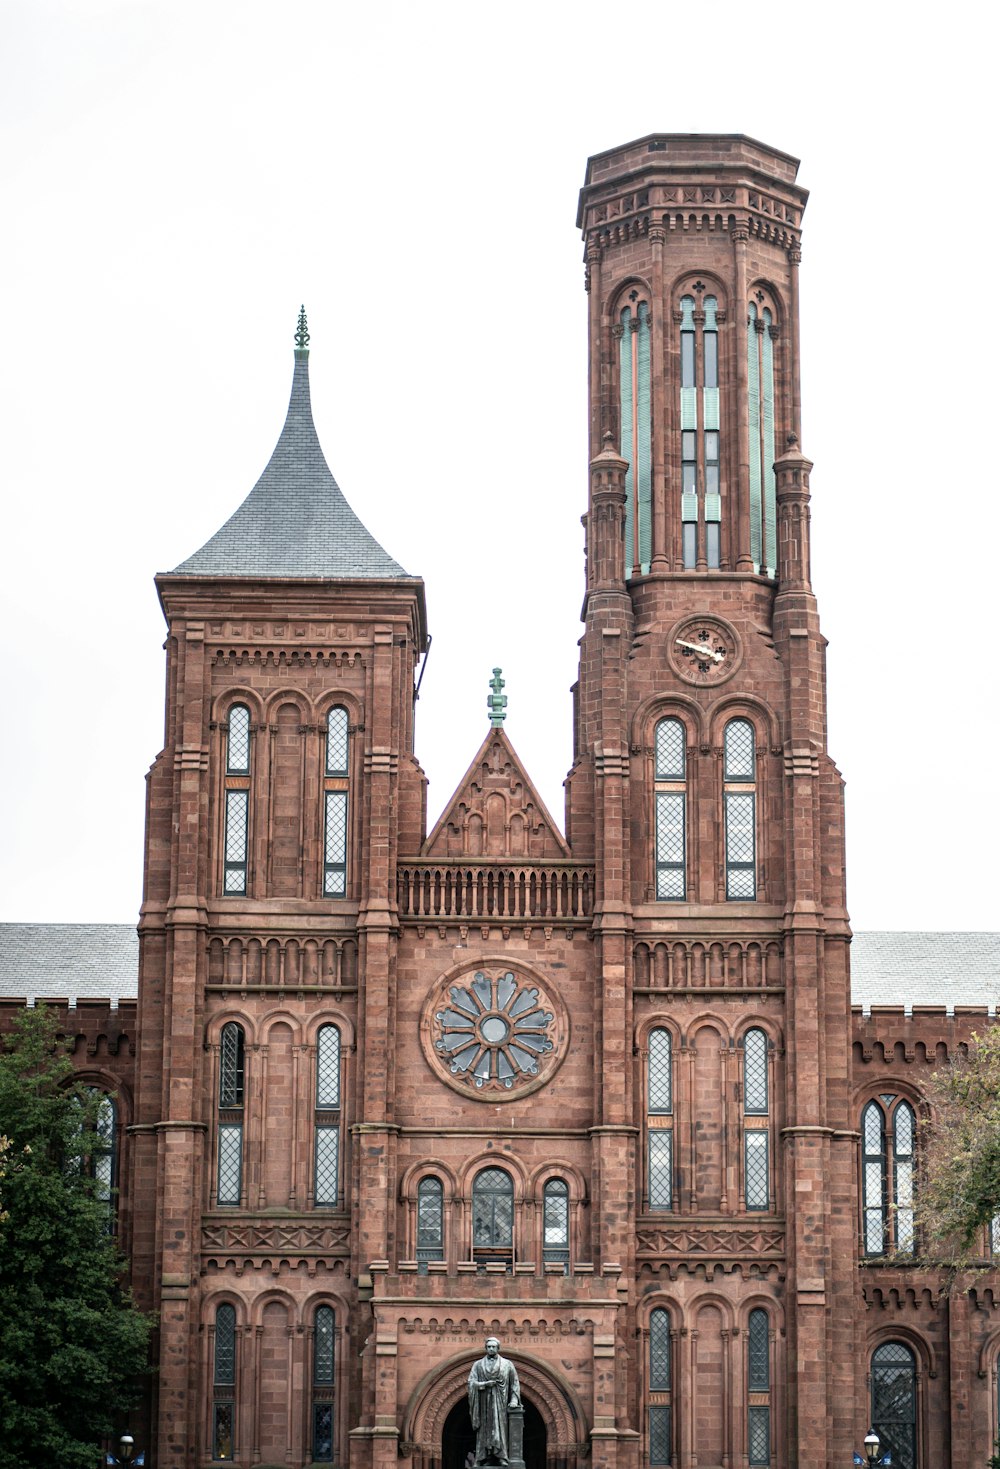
(949, 969)
(295, 521)
(69, 961)
(496, 811)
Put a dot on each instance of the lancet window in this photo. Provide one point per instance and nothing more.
(759, 1388)
(229, 1173)
(335, 803)
(761, 406)
(659, 1122)
(894, 1403)
(700, 428)
(660, 1384)
(430, 1220)
(322, 1385)
(740, 809)
(888, 1135)
(670, 810)
(237, 801)
(635, 400)
(493, 1215)
(224, 1384)
(756, 1161)
(555, 1223)
(326, 1183)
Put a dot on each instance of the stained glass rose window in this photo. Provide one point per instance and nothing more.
(494, 1031)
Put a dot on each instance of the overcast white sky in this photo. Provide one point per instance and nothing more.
(177, 177)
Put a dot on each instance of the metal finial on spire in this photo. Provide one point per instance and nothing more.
(302, 333)
(497, 701)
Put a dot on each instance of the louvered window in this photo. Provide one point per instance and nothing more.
(670, 810)
(701, 498)
(430, 1221)
(659, 1396)
(894, 1403)
(760, 401)
(236, 802)
(756, 1161)
(229, 1173)
(633, 332)
(740, 810)
(659, 1122)
(555, 1223)
(322, 1393)
(224, 1385)
(888, 1136)
(327, 1122)
(759, 1388)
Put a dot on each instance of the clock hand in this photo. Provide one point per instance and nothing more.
(702, 648)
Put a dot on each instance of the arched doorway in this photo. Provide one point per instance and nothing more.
(458, 1438)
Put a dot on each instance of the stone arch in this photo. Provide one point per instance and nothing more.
(440, 1389)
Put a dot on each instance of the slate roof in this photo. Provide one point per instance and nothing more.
(295, 521)
(69, 961)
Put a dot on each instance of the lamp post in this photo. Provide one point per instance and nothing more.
(872, 1445)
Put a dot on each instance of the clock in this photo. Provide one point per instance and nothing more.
(704, 650)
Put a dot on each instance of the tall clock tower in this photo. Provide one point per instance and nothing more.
(702, 781)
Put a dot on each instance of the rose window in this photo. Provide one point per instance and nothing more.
(493, 1031)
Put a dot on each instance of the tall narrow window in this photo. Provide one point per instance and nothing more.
(701, 499)
(633, 332)
(336, 741)
(493, 1216)
(894, 1402)
(740, 809)
(888, 1131)
(659, 1123)
(555, 1223)
(224, 1385)
(335, 804)
(229, 1178)
(327, 1144)
(102, 1159)
(756, 1170)
(430, 1221)
(322, 1393)
(237, 802)
(759, 1388)
(760, 393)
(659, 1388)
(670, 803)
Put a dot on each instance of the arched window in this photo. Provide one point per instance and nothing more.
(633, 333)
(756, 1163)
(888, 1133)
(103, 1162)
(670, 813)
(335, 799)
(740, 809)
(229, 1178)
(430, 1220)
(224, 1384)
(327, 1122)
(759, 1388)
(659, 1122)
(760, 400)
(701, 502)
(660, 1426)
(237, 801)
(493, 1215)
(322, 1384)
(555, 1223)
(894, 1402)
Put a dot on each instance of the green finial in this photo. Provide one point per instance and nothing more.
(302, 334)
(497, 702)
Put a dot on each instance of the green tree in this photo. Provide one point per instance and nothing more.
(73, 1347)
(960, 1187)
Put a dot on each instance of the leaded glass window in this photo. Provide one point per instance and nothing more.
(102, 1158)
(555, 1222)
(492, 1211)
(224, 1384)
(873, 1190)
(759, 1361)
(238, 741)
(888, 1132)
(230, 1176)
(761, 423)
(336, 741)
(670, 751)
(904, 1126)
(322, 1406)
(237, 817)
(660, 1154)
(740, 810)
(894, 1402)
(659, 1351)
(231, 1050)
(759, 1387)
(327, 1165)
(430, 1219)
(759, 1434)
(700, 425)
(328, 1067)
(633, 333)
(670, 801)
(335, 851)
(755, 1161)
(660, 1079)
(659, 1434)
(755, 1073)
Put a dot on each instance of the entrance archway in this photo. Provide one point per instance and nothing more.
(458, 1438)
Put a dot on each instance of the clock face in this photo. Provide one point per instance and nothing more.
(703, 650)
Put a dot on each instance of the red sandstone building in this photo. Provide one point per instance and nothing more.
(389, 1090)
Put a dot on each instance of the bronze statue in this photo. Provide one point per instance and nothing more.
(493, 1389)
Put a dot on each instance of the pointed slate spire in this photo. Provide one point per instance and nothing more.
(295, 521)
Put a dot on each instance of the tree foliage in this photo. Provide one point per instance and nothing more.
(72, 1345)
(960, 1187)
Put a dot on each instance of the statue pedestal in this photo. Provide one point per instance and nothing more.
(515, 1437)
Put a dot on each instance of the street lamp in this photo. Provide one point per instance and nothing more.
(126, 1445)
(872, 1445)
